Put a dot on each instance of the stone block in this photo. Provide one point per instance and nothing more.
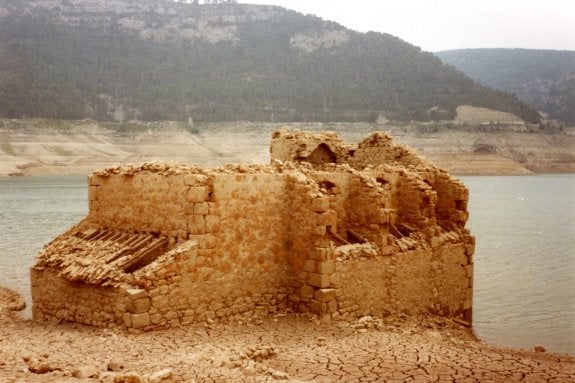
(197, 194)
(140, 320)
(386, 250)
(318, 280)
(160, 301)
(294, 298)
(162, 376)
(95, 180)
(322, 241)
(328, 218)
(127, 319)
(307, 291)
(188, 209)
(208, 241)
(171, 315)
(326, 267)
(138, 306)
(212, 224)
(325, 295)
(85, 372)
(320, 204)
(429, 232)
(197, 225)
(380, 216)
(93, 193)
(310, 266)
(135, 294)
(335, 280)
(317, 307)
(332, 306)
(94, 205)
(156, 318)
(195, 179)
(201, 208)
(319, 230)
(469, 249)
(321, 254)
(213, 208)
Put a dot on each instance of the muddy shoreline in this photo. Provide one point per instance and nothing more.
(284, 346)
(39, 147)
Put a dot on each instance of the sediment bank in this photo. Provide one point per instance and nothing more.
(285, 346)
(45, 147)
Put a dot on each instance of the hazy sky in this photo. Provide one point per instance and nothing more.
(436, 25)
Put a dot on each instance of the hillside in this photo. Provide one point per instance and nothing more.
(153, 60)
(544, 79)
(49, 147)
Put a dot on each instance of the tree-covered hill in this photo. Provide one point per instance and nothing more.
(543, 78)
(165, 60)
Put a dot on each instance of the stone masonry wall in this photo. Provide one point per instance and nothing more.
(60, 300)
(169, 245)
(142, 202)
(381, 286)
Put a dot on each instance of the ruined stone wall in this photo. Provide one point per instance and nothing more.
(288, 145)
(151, 202)
(311, 249)
(236, 255)
(57, 299)
(170, 245)
(336, 187)
(379, 149)
(192, 288)
(418, 281)
(452, 197)
(370, 215)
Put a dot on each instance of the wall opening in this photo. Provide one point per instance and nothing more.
(321, 155)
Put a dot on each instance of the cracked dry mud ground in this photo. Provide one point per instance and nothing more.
(284, 347)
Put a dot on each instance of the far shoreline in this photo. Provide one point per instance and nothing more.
(485, 173)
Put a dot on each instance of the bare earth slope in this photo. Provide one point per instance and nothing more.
(43, 147)
(283, 347)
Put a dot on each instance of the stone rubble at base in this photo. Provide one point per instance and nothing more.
(329, 228)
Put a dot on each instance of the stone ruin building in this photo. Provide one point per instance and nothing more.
(327, 228)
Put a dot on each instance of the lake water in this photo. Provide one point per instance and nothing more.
(524, 292)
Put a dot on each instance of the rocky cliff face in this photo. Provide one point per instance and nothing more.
(154, 19)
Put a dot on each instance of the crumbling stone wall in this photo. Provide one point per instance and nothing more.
(168, 245)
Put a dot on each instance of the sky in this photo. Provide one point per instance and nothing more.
(436, 25)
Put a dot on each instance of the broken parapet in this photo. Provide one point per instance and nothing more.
(328, 228)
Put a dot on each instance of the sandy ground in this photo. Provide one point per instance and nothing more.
(285, 347)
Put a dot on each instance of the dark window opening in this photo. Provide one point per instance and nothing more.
(321, 155)
(382, 181)
(327, 185)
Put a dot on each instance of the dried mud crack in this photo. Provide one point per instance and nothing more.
(284, 347)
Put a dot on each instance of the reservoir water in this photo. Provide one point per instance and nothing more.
(524, 288)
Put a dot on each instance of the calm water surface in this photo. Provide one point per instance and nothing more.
(524, 259)
(524, 292)
(34, 210)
